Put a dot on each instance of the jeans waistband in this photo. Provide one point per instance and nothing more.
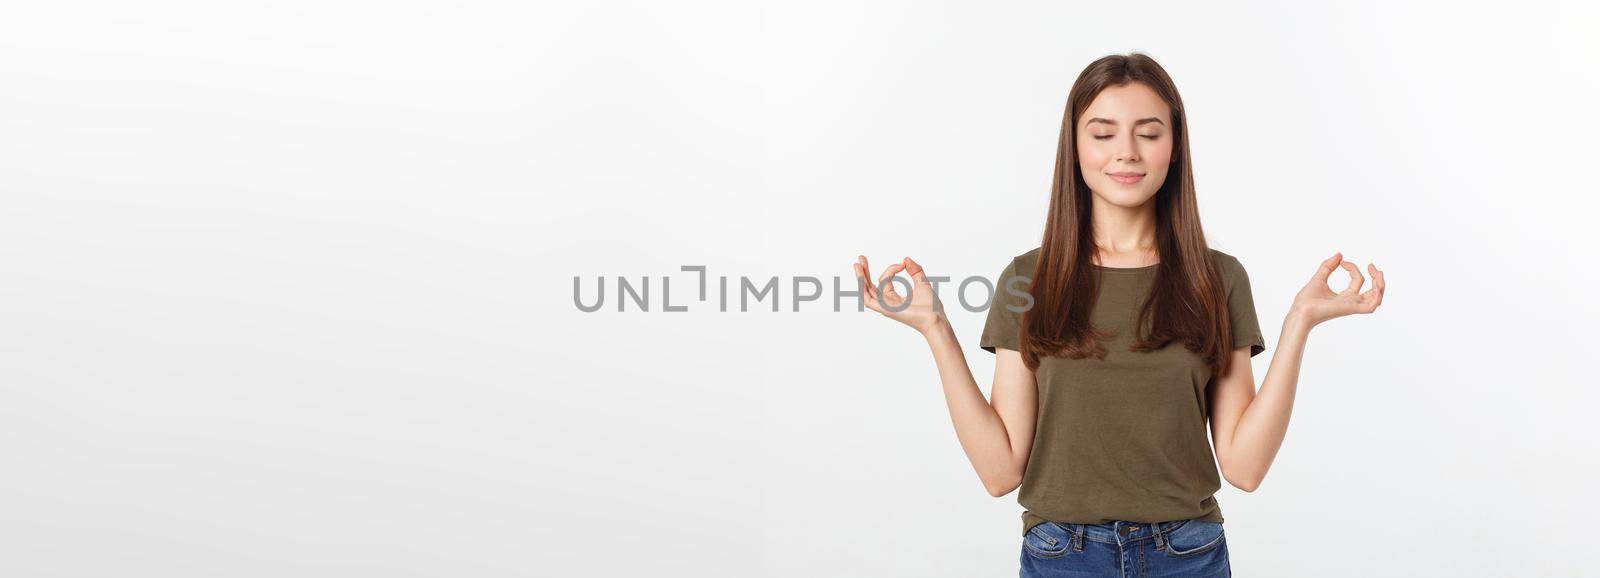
(1122, 532)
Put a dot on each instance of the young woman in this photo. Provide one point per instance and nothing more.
(1118, 341)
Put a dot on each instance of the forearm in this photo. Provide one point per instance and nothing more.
(978, 426)
(1261, 428)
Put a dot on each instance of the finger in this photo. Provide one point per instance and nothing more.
(869, 294)
(889, 273)
(1369, 301)
(1356, 280)
(863, 281)
(1326, 268)
(915, 270)
(1377, 283)
(872, 303)
(862, 271)
(866, 278)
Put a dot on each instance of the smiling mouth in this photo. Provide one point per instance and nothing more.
(1126, 178)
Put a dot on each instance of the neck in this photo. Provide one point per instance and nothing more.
(1125, 233)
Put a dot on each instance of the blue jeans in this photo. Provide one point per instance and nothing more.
(1125, 550)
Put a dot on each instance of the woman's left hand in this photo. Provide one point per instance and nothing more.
(1316, 303)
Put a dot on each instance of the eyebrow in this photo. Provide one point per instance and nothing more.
(1135, 123)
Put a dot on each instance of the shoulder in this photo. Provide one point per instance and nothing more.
(1229, 266)
(1224, 259)
(1024, 263)
(1019, 270)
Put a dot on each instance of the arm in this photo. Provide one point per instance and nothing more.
(1248, 427)
(997, 435)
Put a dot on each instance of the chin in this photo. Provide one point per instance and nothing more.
(1125, 198)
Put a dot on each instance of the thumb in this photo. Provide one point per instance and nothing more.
(915, 270)
(1325, 270)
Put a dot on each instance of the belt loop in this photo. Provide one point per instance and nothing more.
(1161, 535)
(1077, 537)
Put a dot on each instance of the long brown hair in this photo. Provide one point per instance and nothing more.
(1187, 302)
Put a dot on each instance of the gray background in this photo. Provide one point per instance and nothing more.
(286, 288)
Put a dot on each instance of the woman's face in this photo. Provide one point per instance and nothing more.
(1125, 144)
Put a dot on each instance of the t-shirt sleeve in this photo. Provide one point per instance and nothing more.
(1003, 328)
(1242, 311)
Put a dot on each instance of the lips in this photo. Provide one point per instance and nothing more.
(1127, 178)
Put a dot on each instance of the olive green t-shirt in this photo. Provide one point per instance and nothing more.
(1124, 438)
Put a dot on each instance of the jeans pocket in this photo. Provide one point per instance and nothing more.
(1047, 540)
(1193, 538)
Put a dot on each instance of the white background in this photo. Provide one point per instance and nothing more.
(286, 288)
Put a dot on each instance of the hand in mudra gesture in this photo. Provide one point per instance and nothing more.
(923, 312)
(1317, 303)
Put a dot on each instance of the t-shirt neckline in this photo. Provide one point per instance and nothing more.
(1126, 269)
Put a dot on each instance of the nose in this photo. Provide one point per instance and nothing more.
(1128, 152)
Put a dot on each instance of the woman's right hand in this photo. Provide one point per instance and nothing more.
(923, 313)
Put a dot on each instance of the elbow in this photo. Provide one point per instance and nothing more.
(1246, 479)
(1001, 487)
(1245, 484)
